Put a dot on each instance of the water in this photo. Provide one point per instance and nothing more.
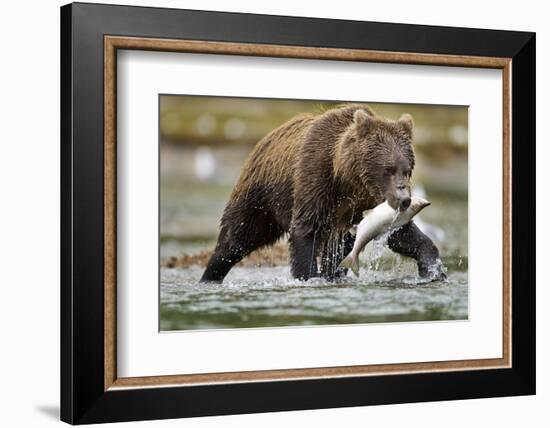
(269, 297)
(387, 290)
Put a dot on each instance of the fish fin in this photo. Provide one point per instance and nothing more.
(351, 262)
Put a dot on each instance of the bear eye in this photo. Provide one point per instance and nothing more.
(390, 170)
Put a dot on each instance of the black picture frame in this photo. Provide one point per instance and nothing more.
(83, 398)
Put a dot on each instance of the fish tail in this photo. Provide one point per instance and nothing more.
(352, 263)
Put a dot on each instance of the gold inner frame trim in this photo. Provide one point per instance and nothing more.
(113, 43)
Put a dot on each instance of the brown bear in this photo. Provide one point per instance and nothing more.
(312, 178)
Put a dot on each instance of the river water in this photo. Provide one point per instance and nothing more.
(269, 297)
(387, 289)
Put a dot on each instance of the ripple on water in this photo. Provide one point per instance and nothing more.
(270, 297)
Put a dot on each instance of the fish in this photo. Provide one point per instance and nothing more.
(377, 221)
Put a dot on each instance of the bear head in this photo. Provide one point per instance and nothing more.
(375, 157)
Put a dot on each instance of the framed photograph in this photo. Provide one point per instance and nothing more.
(266, 213)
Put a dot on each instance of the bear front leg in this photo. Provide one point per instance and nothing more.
(410, 241)
(333, 253)
(304, 248)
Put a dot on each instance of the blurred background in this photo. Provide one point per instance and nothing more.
(204, 142)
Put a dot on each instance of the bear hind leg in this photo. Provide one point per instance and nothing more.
(237, 240)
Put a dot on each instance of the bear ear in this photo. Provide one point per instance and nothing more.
(360, 118)
(406, 123)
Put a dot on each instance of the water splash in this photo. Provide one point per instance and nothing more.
(436, 270)
(374, 252)
(259, 297)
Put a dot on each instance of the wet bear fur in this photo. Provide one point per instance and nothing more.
(312, 178)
